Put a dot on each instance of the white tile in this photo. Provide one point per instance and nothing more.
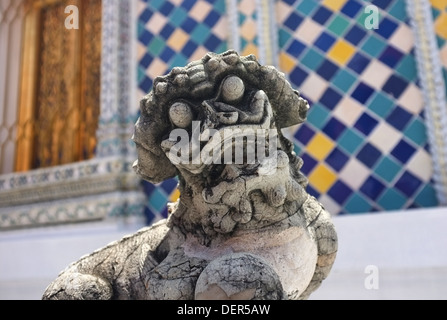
(348, 111)
(308, 31)
(403, 38)
(313, 87)
(156, 23)
(420, 165)
(329, 204)
(376, 74)
(411, 99)
(384, 137)
(354, 173)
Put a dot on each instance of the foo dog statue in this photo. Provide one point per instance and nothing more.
(244, 226)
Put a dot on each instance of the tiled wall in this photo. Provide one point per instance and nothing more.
(439, 10)
(364, 145)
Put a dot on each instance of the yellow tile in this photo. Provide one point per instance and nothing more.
(322, 178)
(439, 4)
(341, 52)
(286, 63)
(178, 39)
(320, 146)
(441, 25)
(335, 5)
(250, 48)
(174, 195)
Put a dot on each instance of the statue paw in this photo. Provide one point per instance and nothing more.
(239, 276)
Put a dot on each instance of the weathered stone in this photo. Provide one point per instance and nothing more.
(244, 227)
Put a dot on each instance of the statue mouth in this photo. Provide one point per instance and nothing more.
(247, 140)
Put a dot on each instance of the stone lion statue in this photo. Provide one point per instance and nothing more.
(244, 227)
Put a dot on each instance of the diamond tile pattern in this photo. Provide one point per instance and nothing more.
(364, 145)
(365, 130)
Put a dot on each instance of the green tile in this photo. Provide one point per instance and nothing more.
(158, 199)
(427, 197)
(200, 33)
(435, 12)
(357, 204)
(417, 132)
(318, 115)
(373, 46)
(343, 80)
(392, 200)
(179, 61)
(156, 4)
(398, 10)
(178, 16)
(283, 38)
(312, 59)
(338, 25)
(306, 7)
(156, 46)
(220, 6)
(381, 104)
(407, 68)
(387, 169)
(350, 141)
(141, 74)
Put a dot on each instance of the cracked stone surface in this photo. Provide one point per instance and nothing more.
(244, 227)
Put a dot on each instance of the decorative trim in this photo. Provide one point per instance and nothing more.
(267, 32)
(88, 208)
(233, 23)
(431, 81)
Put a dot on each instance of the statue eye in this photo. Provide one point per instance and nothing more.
(180, 114)
(233, 89)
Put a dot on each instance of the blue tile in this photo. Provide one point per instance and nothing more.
(169, 185)
(365, 124)
(289, 2)
(334, 128)
(304, 134)
(372, 188)
(351, 8)
(167, 31)
(403, 151)
(293, 21)
(399, 118)
(324, 41)
(321, 15)
(212, 42)
(408, 184)
(145, 15)
(146, 84)
(391, 56)
(212, 18)
(146, 60)
(188, 4)
(327, 70)
(167, 54)
(145, 37)
(362, 92)
(297, 76)
(295, 48)
(340, 192)
(309, 163)
(383, 4)
(369, 155)
(355, 35)
(312, 191)
(395, 86)
(148, 187)
(189, 25)
(386, 28)
(358, 62)
(330, 98)
(149, 216)
(337, 159)
(189, 48)
(166, 8)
